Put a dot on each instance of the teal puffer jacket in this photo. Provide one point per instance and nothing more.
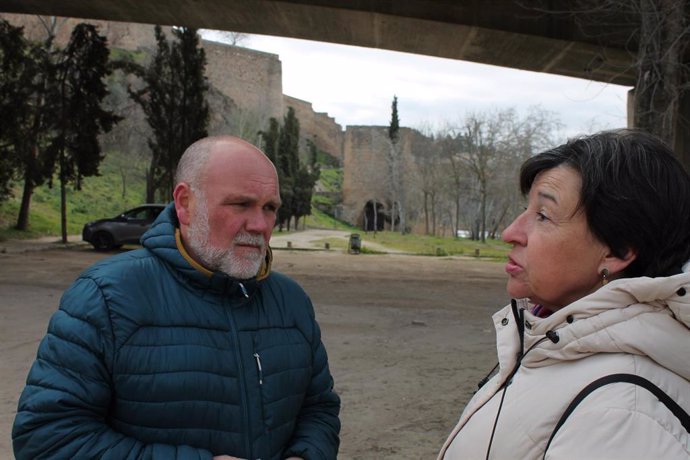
(148, 358)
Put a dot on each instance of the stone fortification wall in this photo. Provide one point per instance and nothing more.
(365, 170)
(248, 89)
(318, 127)
(253, 79)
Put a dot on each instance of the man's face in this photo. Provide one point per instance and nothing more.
(233, 212)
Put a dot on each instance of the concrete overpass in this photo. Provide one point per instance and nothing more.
(497, 32)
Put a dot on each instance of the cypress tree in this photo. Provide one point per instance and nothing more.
(75, 150)
(174, 101)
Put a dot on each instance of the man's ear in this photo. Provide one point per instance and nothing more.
(182, 195)
(615, 264)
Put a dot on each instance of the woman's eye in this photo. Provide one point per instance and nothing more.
(541, 217)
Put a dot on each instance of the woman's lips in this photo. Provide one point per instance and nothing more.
(512, 267)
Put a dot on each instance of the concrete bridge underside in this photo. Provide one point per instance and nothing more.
(499, 32)
(518, 34)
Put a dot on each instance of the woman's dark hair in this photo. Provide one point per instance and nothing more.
(635, 195)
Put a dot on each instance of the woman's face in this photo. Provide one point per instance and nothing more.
(555, 258)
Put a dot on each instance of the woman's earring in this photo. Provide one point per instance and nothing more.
(605, 276)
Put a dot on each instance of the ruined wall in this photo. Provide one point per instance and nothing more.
(247, 85)
(253, 79)
(318, 127)
(364, 170)
(366, 173)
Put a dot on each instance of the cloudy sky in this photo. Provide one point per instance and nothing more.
(356, 86)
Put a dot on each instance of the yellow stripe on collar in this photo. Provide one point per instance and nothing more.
(264, 271)
(188, 258)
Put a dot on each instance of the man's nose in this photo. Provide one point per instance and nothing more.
(258, 221)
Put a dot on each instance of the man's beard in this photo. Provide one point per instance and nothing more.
(219, 259)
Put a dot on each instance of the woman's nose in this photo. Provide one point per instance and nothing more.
(514, 233)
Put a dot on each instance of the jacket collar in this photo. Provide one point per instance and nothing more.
(641, 316)
(163, 239)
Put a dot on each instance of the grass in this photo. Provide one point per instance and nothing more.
(100, 196)
(103, 196)
(425, 245)
(319, 219)
(438, 246)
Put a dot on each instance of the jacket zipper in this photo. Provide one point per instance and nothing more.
(240, 366)
(258, 367)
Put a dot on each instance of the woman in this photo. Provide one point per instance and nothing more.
(596, 271)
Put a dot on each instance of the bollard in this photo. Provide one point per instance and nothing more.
(289, 244)
(476, 252)
(327, 246)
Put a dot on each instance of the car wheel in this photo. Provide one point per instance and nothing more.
(103, 241)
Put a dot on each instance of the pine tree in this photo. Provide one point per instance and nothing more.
(395, 171)
(174, 101)
(27, 87)
(394, 128)
(80, 75)
(287, 163)
(270, 140)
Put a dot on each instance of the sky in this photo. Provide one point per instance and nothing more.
(356, 86)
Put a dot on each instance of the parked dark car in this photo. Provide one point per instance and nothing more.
(126, 228)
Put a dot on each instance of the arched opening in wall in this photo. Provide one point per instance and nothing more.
(374, 221)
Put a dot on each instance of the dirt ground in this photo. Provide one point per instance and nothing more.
(408, 337)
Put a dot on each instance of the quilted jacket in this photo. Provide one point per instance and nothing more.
(150, 358)
(638, 326)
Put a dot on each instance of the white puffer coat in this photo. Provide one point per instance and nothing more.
(635, 326)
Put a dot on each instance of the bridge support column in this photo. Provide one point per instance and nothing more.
(681, 139)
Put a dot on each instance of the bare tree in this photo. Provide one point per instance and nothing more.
(449, 145)
(233, 38)
(429, 176)
(657, 35)
(479, 158)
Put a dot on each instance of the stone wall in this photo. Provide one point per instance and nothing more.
(248, 89)
(253, 79)
(365, 170)
(317, 127)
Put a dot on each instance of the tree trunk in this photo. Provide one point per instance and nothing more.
(23, 218)
(123, 176)
(376, 217)
(483, 222)
(657, 90)
(433, 214)
(63, 199)
(426, 213)
(150, 187)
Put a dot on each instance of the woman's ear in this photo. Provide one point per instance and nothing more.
(615, 264)
(182, 195)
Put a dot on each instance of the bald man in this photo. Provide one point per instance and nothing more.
(190, 348)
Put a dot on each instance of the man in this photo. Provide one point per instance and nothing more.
(190, 348)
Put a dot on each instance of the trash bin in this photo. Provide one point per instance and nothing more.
(355, 244)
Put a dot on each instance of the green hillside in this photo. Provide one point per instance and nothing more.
(120, 186)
